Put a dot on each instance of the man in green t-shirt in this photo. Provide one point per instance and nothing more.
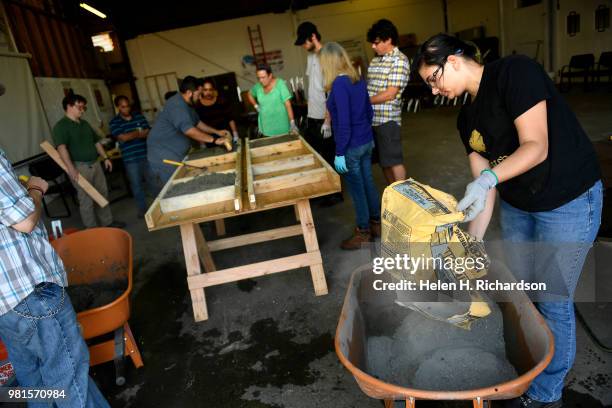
(272, 99)
(79, 146)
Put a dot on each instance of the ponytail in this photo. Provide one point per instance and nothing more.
(437, 49)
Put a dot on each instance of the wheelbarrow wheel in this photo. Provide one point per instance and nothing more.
(119, 379)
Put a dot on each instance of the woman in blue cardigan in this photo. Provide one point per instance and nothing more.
(351, 113)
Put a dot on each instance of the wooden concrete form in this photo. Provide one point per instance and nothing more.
(225, 163)
(288, 173)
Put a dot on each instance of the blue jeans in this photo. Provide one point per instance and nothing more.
(560, 240)
(47, 350)
(136, 172)
(160, 174)
(366, 198)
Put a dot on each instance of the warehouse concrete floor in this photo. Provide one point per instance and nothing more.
(269, 341)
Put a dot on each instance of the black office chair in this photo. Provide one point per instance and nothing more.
(580, 66)
(48, 170)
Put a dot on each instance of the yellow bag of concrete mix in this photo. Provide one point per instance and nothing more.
(419, 230)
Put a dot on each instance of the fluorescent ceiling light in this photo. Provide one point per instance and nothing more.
(92, 10)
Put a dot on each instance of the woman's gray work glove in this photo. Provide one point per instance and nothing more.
(476, 192)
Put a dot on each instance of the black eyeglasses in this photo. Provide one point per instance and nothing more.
(433, 79)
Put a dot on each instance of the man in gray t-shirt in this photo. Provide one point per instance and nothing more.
(174, 128)
(318, 132)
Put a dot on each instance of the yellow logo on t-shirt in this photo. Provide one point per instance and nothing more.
(477, 142)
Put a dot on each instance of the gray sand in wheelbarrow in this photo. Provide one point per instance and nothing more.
(434, 355)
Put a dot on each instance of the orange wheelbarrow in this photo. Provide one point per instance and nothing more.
(529, 346)
(103, 255)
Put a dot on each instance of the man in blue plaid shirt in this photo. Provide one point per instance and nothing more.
(387, 77)
(37, 322)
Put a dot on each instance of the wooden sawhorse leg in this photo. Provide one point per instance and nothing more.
(220, 227)
(312, 245)
(196, 250)
(297, 212)
(131, 347)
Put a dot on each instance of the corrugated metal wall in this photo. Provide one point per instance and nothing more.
(58, 47)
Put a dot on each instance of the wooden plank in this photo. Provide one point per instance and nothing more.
(279, 155)
(271, 140)
(297, 213)
(291, 196)
(192, 262)
(249, 176)
(312, 246)
(212, 161)
(220, 227)
(253, 270)
(255, 237)
(154, 212)
(225, 209)
(316, 165)
(283, 164)
(290, 180)
(333, 176)
(82, 182)
(238, 182)
(182, 202)
(203, 250)
(267, 151)
(152, 215)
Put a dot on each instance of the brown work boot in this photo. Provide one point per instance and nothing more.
(375, 228)
(360, 237)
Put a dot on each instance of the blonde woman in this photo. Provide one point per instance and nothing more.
(351, 112)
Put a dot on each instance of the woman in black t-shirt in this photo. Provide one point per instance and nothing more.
(523, 140)
(214, 111)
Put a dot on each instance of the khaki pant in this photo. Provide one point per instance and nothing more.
(88, 209)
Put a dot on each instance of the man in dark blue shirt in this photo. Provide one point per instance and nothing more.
(131, 130)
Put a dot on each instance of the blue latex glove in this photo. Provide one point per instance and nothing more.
(340, 164)
(475, 197)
